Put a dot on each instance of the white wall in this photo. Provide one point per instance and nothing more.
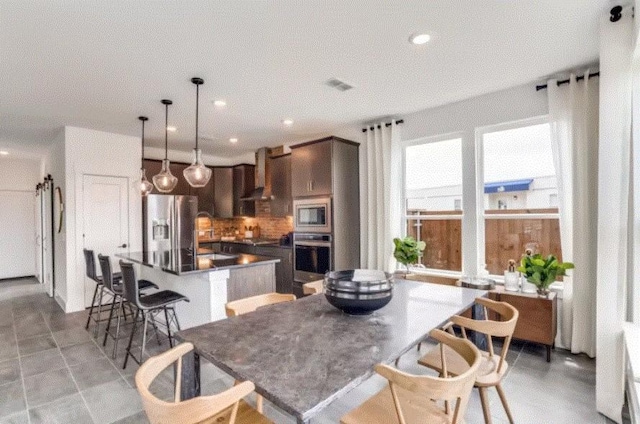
(95, 153)
(19, 174)
(462, 119)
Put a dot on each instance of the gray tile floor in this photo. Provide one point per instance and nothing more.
(53, 371)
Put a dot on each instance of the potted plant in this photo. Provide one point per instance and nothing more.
(542, 272)
(408, 250)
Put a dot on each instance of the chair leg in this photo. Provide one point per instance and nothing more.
(97, 329)
(115, 341)
(93, 302)
(485, 404)
(175, 319)
(155, 328)
(144, 334)
(166, 320)
(133, 332)
(106, 333)
(503, 399)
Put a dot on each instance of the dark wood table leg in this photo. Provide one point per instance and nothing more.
(190, 386)
(478, 339)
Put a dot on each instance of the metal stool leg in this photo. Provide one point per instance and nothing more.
(133, 332)
(166, 320)
(155, 327)
(115, 341)
(144, 333)
(93, 302)
(97, 329)
(106, 333)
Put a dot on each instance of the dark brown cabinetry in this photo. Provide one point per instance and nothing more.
(243, 185)
(311, 169)
(205, 195)
(223, 192)
(281, 204)
(284, 268)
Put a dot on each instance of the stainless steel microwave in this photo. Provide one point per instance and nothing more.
(312, 215)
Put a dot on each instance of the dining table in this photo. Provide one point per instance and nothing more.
(303, 355)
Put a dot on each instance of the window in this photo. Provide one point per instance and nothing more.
(520, 194)
(433, 200)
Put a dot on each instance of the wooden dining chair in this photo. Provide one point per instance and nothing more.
(250, 304)
(314, 287)
(493, 367)
(224, 408)
(413, 399)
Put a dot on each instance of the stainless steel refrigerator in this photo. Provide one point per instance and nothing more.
(169, 222)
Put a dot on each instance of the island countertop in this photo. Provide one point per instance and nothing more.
(183, 261)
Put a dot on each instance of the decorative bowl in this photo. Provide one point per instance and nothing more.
(358, 292)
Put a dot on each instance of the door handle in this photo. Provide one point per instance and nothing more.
(123, 246)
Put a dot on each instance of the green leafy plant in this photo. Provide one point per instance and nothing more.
(542, 272)
(408, 250)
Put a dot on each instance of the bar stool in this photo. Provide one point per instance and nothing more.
(90, 267)
(116, 290)
(149, 306)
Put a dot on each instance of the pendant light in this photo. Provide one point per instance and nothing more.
(165, 182)
(197, 175)
(145, 185)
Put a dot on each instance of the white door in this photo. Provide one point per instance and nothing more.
(17, 240)
(38, 235)
(47, 242)
(105, 221)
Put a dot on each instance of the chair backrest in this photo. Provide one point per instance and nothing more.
(131, 292)
(457, 389)
(250, 304)
(107, 274)
(191, 411)
(314, 287)
(90, 265)
(503, 328)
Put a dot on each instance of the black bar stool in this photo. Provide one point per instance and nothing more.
(116, 290)
(96, 309)
(149, 306)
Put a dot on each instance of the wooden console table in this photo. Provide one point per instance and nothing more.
(538, 319)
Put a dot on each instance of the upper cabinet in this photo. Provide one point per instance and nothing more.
(311, 169)
(206, 199)
(313, 165)
(280, 170)
(243, 184)
(223, 192)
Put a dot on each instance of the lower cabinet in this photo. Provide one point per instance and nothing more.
(250, 281)
(236, 248)
(284, 268)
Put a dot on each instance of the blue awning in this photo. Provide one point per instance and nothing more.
(505, 186)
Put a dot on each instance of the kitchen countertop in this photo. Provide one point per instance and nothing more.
(183, 261)
(248, 242)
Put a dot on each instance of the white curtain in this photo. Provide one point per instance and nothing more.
(573, 111)
(381, 217)
(614, 226)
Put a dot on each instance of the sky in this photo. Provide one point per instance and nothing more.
(520, 153)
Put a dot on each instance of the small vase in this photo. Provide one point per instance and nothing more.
(528, 287)
(542, 292)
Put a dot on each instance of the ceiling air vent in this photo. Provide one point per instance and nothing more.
(338, 85)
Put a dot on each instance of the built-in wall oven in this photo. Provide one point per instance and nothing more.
(312, 215)
(312, 256)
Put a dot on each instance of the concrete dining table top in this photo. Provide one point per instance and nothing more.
(303, 355)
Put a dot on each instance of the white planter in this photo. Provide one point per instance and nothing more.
(528, 287)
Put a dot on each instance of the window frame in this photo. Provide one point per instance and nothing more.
(481, 214)
(456, 135)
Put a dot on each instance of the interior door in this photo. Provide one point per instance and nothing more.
(17, 245)
(105, 221)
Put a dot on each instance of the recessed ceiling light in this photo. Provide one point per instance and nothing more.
(233, 140)
(418, 39)
(4, 152)
(172, 129)
(287, 122)
(219, 103)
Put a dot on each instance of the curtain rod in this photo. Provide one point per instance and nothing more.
(580, 78)
(388, 124)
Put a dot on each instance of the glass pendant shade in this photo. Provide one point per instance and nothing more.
(145, 185)
(197, 174)
(165, 181)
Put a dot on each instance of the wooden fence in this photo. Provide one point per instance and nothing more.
(504, 238)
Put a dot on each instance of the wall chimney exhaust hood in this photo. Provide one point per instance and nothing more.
(261, 192)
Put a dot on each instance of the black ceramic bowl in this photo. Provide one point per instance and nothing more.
(358, 292)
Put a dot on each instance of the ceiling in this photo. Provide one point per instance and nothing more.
(101, 64)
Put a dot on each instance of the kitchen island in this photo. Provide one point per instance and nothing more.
(209, 279)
